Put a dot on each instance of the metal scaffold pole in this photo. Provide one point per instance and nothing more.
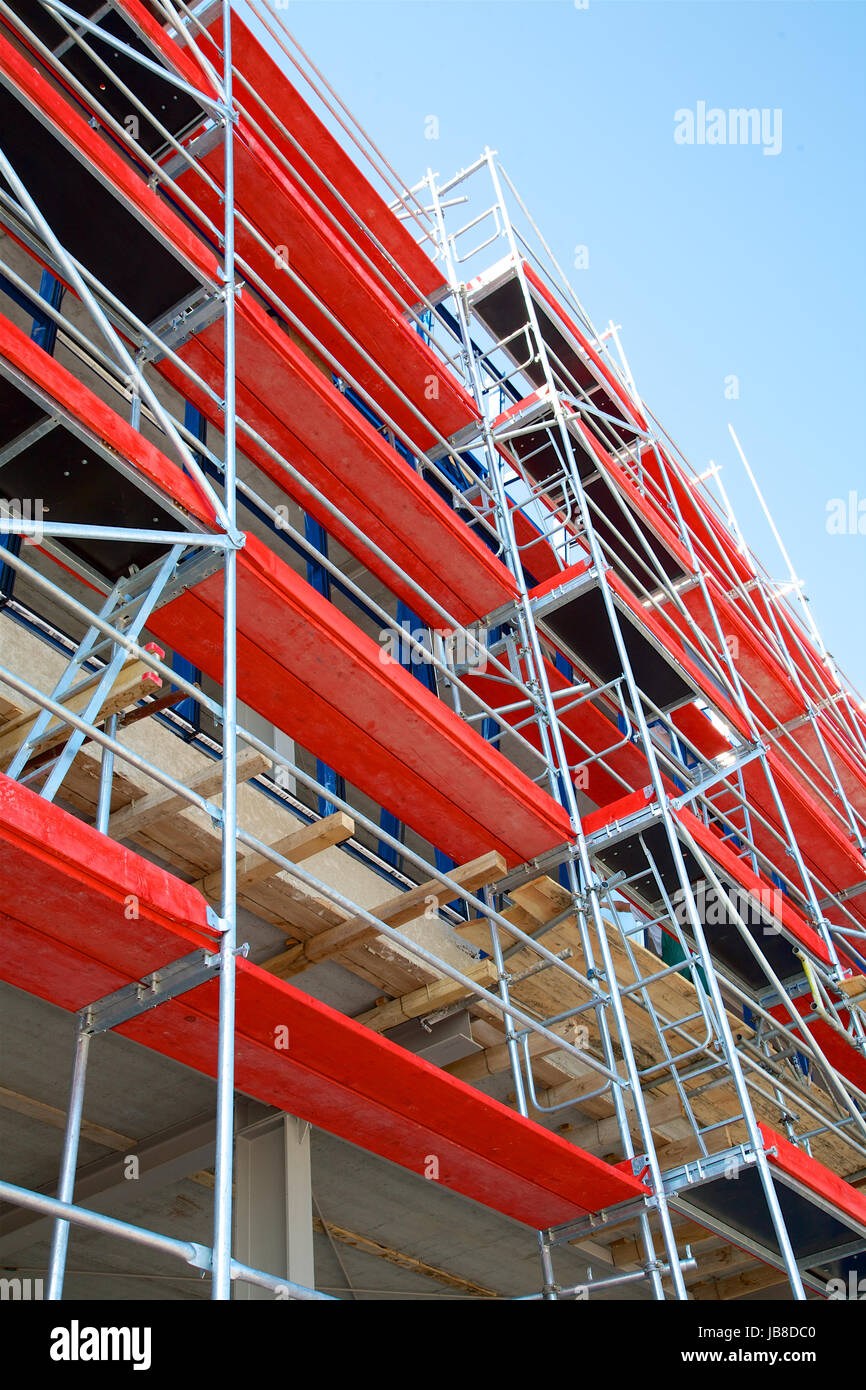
(228, 919)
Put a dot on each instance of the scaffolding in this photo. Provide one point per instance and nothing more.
(611, 756)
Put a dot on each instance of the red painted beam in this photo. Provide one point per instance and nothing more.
(722, 557)
(775, 699)
(812, 1174)
(842, 1057)
(302, 415)
(313, 673)
(285, 217)
(641, 502)
(93, 149)
(68, 937)
(718, 850)
(82, 889)
(589, 731)
(783, 909)
(321, 161)
(296, 407)
(827, 850)
(367, 1090)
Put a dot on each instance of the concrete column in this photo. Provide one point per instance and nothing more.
(274, 1203)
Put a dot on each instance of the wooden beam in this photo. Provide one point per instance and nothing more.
(147, 810)
(494, 1060)
(300, 845)
(97, 1134)
(629, 1251)
(395, 912)
(50, 1115)
(575, 1088)
(738, 1285)
(605, 1132)
(685, 1150)
(426, 999)
(134, 681)
(402, 1260)
(713, 1262)
(9, 710)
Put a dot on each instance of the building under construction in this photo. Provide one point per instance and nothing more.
(431, 846)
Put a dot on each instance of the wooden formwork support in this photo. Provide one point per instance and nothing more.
(751, 1280)
(494, 1060)
(135, 681)
(156, 806)
(300, 845)
(427, 999)
(395, 912)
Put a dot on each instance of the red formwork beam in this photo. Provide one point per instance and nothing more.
(403, 507)
(307, 245)
(504, 319)
(301, 415)
(842, 1056)
(313, 673)
(711, 537)
(777, 703)
(638, 499)
(168, 229)
(598, 367)
(830, 857)
(711, 842)
(588, 732)
(369, 325)
(709, 534)
(804, 1169)
(827, 851)
(297, 408)
(82, 916)
(279, 107)
(657, 628)
(614, 762)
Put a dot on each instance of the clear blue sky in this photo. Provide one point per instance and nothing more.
(716, 260)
